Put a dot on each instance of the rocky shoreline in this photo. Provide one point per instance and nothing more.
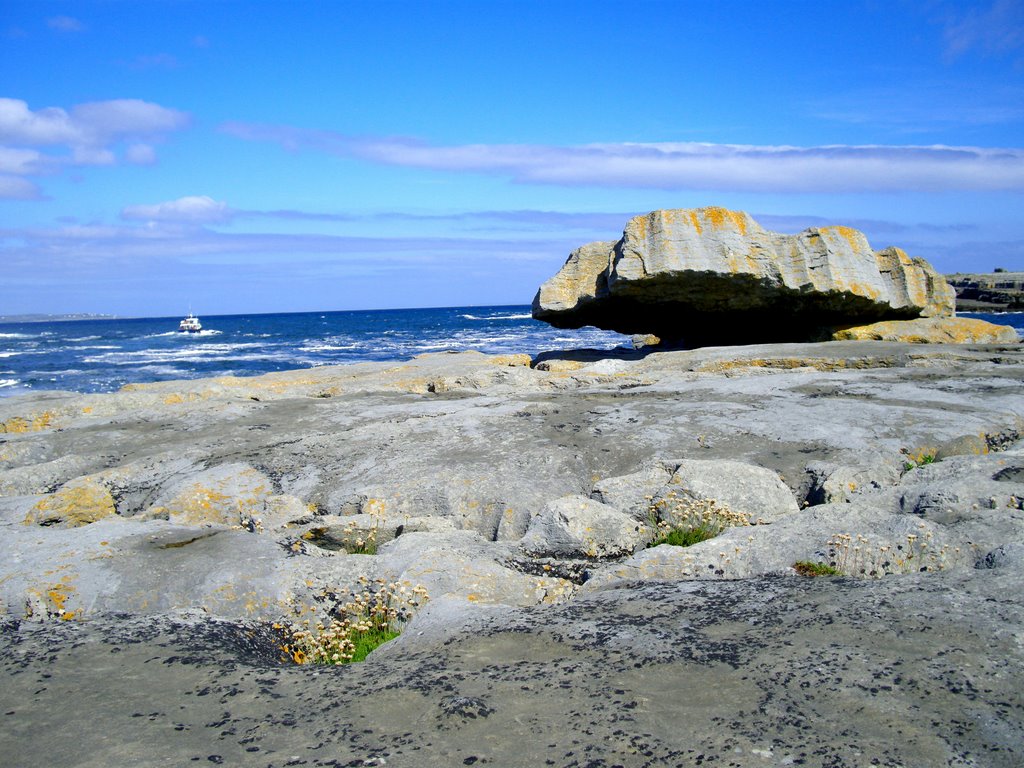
(151, 537)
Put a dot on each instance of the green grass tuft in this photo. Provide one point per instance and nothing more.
(809, 568)
(365, 642)
(686, 537)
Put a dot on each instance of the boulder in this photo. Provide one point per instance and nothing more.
(713, 276)
(931, 330)
(575, 526)
(235, 495)
(755, 492)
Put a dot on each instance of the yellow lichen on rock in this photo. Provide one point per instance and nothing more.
(198, 504)
(511, 361)
(720, 217)
(853, 238)
(77, 503)
(931, 330)
(20, 424)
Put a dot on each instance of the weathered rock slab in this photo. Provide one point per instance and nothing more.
(932, 330)
(713, 276)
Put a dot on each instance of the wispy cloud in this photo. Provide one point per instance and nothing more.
(937, 105)
(155, 61)
(992, 28)
(681, 166)
(17, 188)
(197, 209)
(176, 239)
(64, 24)
(38, 142)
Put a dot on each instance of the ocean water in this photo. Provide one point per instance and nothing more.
(104, 355)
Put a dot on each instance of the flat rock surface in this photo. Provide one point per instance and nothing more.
(150, 538)
(919, 671)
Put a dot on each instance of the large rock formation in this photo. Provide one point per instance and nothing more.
(710, 275)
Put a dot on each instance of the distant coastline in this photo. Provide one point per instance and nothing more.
(994, 292)
(39, 318)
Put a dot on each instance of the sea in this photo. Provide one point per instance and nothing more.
(102, 355)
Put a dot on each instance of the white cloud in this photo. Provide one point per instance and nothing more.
(17, 188)
(94, 124)
(20, 125)
(86, 155)
(19, 161)
(684, 166)
(195, 209)
(103, 121)
(64, 24)
(140, 154)
(95, 133)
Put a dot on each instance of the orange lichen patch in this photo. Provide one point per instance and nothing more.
(720, 217)
(77, 503)
(640, 224)
(932, 330)
(53, 600)
(901, 255)
(87, 409)
(791, 363)
(860, 289)
(512, 361)
(19, 424)
(852, 237)
(695, 222)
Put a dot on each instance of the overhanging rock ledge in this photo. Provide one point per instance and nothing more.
(714, 276)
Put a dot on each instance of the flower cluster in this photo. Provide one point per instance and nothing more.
(372, 616)
(857, 556)
(684, 521)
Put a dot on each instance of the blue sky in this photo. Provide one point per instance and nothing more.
(290, 156)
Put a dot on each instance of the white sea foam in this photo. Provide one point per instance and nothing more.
(15, 336)
(9, 382)
(525, 316)
(9, 354)
(327, 347)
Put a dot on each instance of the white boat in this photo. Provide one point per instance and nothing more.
(190, 324)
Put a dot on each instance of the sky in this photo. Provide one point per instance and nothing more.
(247, 157)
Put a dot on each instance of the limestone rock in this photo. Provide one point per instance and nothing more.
(575, 526)
(230, 494)
(753, 491)
(710, 275)
(634, 492)
(76, 503)
(466, 567)
(831, 483)
(931, 330)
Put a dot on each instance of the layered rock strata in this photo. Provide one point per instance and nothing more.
(714, 276)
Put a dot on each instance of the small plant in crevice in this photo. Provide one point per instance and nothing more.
(812, 568)
(683, 522)
(919, 458)
(367, 619)
(355, 538)
(858, 556)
